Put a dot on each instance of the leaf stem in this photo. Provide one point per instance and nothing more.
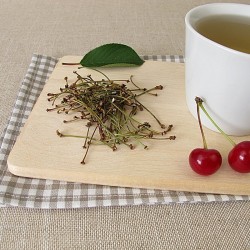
(66, 63)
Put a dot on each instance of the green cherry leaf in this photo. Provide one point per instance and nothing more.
(111, 55)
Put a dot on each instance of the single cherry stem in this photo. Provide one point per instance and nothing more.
(89, 142)
(200, 101)
(97, 71)
(199, 120)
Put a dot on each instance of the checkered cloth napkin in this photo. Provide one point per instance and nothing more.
(38, 193)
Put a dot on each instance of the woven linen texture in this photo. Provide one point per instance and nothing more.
(49, 194)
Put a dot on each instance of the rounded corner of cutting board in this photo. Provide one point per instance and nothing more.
(13, 168)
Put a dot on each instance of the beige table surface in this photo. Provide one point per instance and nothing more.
(59, 28)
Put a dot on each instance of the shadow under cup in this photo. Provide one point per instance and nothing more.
(217, 61)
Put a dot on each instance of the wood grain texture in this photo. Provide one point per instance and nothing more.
(40, 153)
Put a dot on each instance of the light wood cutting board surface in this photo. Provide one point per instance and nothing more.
(40, 153)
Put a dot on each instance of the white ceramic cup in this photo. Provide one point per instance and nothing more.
(218, 74)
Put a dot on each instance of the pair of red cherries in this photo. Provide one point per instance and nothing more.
(205, 161)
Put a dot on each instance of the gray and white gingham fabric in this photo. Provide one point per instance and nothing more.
(48, 194)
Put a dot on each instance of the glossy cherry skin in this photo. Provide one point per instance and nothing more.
(239, 157)
(205, 161)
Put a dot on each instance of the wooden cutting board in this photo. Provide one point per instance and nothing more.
(40, 153)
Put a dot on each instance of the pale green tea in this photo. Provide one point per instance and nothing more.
(228, 30)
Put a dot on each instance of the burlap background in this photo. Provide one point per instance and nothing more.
(59, 28)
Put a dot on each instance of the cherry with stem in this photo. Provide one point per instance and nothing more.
(239, 156)
(204, 161)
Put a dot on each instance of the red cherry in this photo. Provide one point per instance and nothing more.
(239, 157)
(205, 161)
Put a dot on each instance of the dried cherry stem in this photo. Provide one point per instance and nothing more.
(89, 142)
(98, 72)
(199, 102)
(75, 136)
(109, 105)
(86, 139)
(158, 121)
(148, 90)
(131, 80)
